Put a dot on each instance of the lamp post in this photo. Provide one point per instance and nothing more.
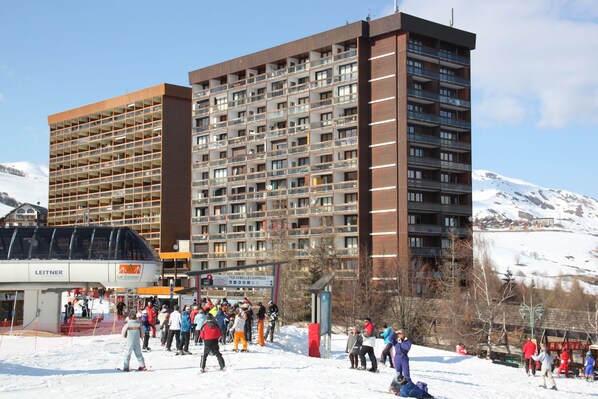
(532, 311)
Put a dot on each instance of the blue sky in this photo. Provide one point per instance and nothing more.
(535, 68)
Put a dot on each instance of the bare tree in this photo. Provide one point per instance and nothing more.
(489, 295)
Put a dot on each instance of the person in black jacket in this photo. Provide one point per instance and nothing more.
(210, 333)
(272, 318)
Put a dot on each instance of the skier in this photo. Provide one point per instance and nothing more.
(248, 310)
(199, 320)
(565, 358)
(239, 331)
(132, 332)
(546, 372)
(589, 365)
(389, 339)
(367, 347)
(272, 318)
(210, 333)
(185, 331)
(163, 320)
(354, 342)
(407, 389)
(151, 317)
(261, 317)
(174, 329)
(402, 348)
(120, 307)
(528, 350)
(145, 328)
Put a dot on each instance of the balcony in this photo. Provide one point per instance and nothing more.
(424, 229)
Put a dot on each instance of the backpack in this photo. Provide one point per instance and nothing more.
(145, 321)
(423, 386)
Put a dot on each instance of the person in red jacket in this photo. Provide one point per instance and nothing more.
(151, 317)
(210, 332)
(529, 349)
(564, 365)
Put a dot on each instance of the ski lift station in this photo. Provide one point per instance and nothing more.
(43, 262)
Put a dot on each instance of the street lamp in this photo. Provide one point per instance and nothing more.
(532, 311)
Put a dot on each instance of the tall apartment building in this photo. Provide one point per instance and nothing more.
(361, 133)
(125, 161)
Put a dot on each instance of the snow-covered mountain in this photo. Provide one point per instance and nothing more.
(22, 182)
(506, 213)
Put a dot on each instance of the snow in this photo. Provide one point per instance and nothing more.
(85, 367)
(31, 188)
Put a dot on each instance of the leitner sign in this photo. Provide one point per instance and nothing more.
(236, 280)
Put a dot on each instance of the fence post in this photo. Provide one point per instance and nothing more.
(95, 326)
(35, 341)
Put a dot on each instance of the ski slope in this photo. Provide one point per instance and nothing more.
(85, 367)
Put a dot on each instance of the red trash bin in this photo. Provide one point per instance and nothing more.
(313, 339)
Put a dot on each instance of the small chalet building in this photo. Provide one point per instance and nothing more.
(25, 215)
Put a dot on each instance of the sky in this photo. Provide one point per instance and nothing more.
(535, 86)
(85, 367)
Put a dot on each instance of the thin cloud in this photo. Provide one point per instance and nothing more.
(535, 54)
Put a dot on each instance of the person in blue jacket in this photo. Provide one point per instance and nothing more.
(589, 364)
(185, 331)
(222, 320)
(407, 389)
(389, 340)
(402, 347)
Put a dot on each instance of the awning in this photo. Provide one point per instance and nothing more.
(175, 255)
(157, 290)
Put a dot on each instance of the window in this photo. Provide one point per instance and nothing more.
(416, 242)
(219, 247)
(260, 110)
(239, 95)
(326, 137)
(350, 220)
(202, 139)
(260, 246)
(350, 198)
(303, 202)
(415, 108)
(242, 133)
(221, 228)
(416, 152)
(278, 164)
(325, 201)
(221, 264)
(447, 92)
(447, 156)
(326, 119)
(325, 95)
(302, 121)
(218, 173)
(347, 89)
(241, 247)
(448, 135)
(350, 242)
(326, 158)
(447, 114)
(415, 64)
(303, 243)
(346, 133)
(351, 176)
(303, 161)
(281, 105)
(449, 178)
(451, 221)
(303, 100)
(324, 74)
(415, 197)
(326, 179)
(351, 154)
(347, 68)
(447, 71)
(414, 174)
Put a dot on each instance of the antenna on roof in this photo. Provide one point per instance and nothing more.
(369, 17)
(396, 6)
(452, 21)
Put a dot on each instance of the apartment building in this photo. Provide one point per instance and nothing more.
(125, 161)
(360, 134)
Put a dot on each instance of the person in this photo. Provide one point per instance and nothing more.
(185, 331)
(163, 320)
(367, 346)
(354, 342)
(66, 313)
(132, 332)
(528, 350)
(70, 311)
(145, 328)
(545, 358)
(261, 318)
(248, 311)
(120, 308)
(272, 318)
(405, 388)
(389, 340)
(194, 312)
(402, 348)
(211, 333)
(460, 349)
(174, 329)
(151, 316)
(589, 365)
(239, 331)
(222, 320)
(199, 320)
(564, 359)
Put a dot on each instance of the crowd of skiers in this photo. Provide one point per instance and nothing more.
(206, 323)
(531, 356)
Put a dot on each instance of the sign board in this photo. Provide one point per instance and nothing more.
(242, 281)
(207, 281)
(571, 345)
(325, 313)
(128, 272)
(54, 272)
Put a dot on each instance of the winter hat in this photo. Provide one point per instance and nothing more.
(588, 353)
(144, 311)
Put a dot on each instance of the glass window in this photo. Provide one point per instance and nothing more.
(21, 243)
(81, 243)
(101, 244)
(350, 242)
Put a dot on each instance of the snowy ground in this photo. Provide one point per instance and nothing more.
(85, 367)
